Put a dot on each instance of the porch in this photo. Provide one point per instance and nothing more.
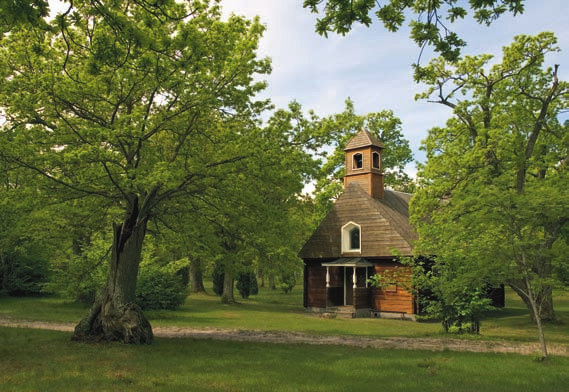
(347, 291)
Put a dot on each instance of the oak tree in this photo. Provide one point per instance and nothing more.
(494, 200)
(429, 26)
(119, 104)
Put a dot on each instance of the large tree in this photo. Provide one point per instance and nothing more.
(494, 200)
(257, 226)
(139, 108)
(429, 26)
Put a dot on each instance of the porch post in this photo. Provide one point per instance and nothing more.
(354, 279)
(327, 277)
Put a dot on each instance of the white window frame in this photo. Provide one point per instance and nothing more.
(346, 240)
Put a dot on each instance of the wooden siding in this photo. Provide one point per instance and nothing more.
(397, 298)
(315, 286)
(362, 298)
(367, 166)
(371, 183)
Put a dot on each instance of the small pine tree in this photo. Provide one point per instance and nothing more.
(218, 276)
(247, 284)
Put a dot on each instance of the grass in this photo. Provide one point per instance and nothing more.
(275, 311)
(33, 360)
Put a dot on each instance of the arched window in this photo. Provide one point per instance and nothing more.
(351, 238)
(375, 160)
(358, 161)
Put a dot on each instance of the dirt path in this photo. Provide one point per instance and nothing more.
(432, 344)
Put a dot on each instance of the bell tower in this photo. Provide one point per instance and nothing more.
(363, 163)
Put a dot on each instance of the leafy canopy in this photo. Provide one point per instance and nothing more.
(428, 23)
(494, 200)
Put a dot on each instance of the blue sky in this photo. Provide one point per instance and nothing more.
(373, 66)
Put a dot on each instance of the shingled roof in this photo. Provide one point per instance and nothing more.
(363, 139)
(384, 225)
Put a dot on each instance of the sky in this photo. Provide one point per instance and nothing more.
(372, 66)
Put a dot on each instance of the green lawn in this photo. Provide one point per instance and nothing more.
(37, 360)
(275, 311)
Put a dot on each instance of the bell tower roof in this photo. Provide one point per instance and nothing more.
(363, 139)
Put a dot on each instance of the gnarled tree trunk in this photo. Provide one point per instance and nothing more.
(115, 316)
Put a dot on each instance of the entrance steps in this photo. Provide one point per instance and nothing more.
(340, 312)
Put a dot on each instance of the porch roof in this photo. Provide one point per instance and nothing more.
(348, 262)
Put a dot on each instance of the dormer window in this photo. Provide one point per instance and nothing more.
(351, 238)
(358, 161)
(375, 160)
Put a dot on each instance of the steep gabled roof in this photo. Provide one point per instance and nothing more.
(384, 225)
(363, 139)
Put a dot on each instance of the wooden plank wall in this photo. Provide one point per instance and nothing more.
(362, 298)
(315, 286)
(397, 298)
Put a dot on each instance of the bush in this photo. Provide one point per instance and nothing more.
(217, 277)
(247, 284)
(23, 272)
(80, 277)
(287, 283)
(160, 287)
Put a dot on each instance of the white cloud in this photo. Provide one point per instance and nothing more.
(372, 66)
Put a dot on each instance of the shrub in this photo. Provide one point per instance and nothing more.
(217, 277)
(160, 287)
(23, 271)
(80, 277)
(247, 284)
(287, 283)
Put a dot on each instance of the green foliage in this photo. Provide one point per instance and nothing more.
(25, 228)
(143, 116)
(560, 264)
(446, 295)
(80, 276)
(379, 281)
(218, 277)
(247, 284)
(16, 13)
(160, 287)
(493, 197)
(287, 283)
(161, 283)
(24, 271)
(429, 26)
